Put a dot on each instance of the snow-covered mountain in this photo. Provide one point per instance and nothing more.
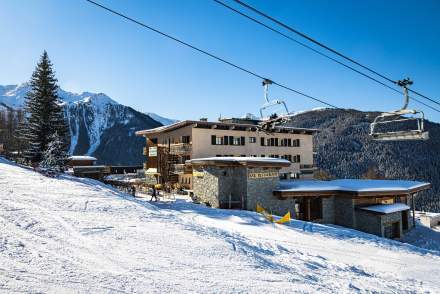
(98, 125)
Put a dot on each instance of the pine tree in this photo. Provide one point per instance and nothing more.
(55, 156)
(44, 114)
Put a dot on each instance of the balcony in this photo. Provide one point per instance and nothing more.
(180, 168)
(180, 148)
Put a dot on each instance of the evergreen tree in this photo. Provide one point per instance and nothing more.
(44, 113)
(55, 156)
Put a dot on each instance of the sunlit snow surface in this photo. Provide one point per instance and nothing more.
(77, 235)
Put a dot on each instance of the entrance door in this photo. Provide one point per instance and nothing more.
(309, 209)
(405, 225)
(396, 230)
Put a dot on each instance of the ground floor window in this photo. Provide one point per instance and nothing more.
(308, 208)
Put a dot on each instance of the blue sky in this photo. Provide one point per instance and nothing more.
(95, 51)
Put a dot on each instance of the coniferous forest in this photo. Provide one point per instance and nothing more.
(344, 149)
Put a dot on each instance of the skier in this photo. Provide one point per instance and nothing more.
(154, 194)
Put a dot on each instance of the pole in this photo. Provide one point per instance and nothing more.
(413, 210)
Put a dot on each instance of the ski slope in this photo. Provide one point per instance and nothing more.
(79, 236)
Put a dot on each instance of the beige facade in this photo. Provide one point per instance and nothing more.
(198, 139)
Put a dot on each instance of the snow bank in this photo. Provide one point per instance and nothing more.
(78, 235)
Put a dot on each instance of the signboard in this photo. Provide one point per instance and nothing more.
(152, 151)
(263, 175)
(198, 174)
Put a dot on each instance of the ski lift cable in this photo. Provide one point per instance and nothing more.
(209, 54)
(249, 7)
(321, 53)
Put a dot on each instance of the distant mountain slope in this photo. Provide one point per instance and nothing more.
(163, 120)
(345, 150)
(98, 125)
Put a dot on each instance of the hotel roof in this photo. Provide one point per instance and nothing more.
(221, 125)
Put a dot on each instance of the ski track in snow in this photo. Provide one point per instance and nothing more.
(78, 235)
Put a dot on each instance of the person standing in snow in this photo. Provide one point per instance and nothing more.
(154, 194)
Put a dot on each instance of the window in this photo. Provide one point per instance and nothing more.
(287, 157)
(262, 155)
(252, 139)
(295, 175)
(185, 139)
(262, 141)
(296, 143)
(237, 141)
(296, 158)
(227, 140)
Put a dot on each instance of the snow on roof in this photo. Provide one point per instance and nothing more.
(82, 157)
(241, 160)
(350, 185)
(386, 208)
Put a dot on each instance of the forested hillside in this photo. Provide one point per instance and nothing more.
(345, 150)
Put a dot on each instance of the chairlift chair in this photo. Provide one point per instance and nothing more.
(400, 116)
(270, 103)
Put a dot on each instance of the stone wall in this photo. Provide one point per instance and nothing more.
(206, 187)
(218, 185)
(390, 218)
(261, 191)
(369, 222)
(344, 212)
(328, 210)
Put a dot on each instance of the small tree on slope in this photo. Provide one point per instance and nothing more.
(55, 156)
(44, 114)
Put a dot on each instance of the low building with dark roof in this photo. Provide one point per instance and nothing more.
(380, 207)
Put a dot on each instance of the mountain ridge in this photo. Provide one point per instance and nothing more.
(95, 120)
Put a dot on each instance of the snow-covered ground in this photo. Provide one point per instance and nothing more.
(77, 235)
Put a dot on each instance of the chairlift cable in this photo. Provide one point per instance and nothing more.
(325, 47)
(209, 54)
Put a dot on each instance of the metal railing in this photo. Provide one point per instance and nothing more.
(180, 168)
(180, 148)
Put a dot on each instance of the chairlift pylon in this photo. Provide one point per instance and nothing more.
(400, 116)
(270, 103)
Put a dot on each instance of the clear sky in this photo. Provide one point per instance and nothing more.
(95, 51)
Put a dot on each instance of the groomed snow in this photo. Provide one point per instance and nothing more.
(79, 236)
(353, 185)
(387, 208)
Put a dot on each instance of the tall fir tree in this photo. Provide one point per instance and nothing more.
(44, 112)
